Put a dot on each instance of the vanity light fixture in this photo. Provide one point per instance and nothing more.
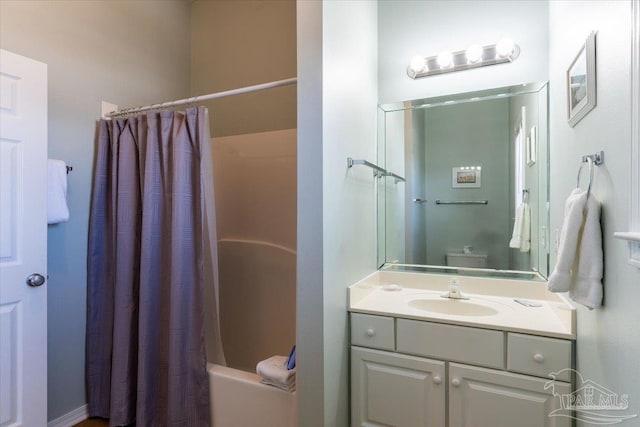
(474, 56)
(417, 62)
(444, 59)
(474, 53)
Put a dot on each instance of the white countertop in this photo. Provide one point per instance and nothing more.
(555, 318)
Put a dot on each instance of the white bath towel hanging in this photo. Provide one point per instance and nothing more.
(521, 237)
(579, 266)
(57, 210)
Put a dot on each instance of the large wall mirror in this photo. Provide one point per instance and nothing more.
(476, 166)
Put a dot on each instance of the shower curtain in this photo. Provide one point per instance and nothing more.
(150, 248)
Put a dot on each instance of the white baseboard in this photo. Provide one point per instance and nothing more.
(70, 418)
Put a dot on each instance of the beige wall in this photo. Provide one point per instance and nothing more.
(237, 44)
(255, 183)
(241, 43)
(129, 53)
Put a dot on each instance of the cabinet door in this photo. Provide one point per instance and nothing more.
(390, 389)
(484, 397)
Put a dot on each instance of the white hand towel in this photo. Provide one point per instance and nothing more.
(274, 372)
(580, 260)
(525, 245)
(560, 278)
(57, 210)
(586, 288)
(521, 237)
(516, 238)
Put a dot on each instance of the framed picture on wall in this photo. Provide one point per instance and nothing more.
(581, 82)
(466, 177)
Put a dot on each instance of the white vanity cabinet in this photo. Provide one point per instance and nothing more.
(418, 373)
(390, 389)
(486, 397)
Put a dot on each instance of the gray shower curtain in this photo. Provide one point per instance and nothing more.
(145, 333)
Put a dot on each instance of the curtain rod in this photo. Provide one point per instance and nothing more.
(201, 98)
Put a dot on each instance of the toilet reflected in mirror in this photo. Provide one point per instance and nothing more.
(467, 260)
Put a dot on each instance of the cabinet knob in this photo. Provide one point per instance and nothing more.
(437, 379)
(455, 382)
(371, 332)
(538, 358)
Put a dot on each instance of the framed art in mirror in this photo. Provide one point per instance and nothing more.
(466, 177)
(581, 82)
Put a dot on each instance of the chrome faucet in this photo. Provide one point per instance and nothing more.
(454, 290)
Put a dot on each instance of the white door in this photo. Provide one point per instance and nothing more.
(23, 241)
(484, 397)
(391, 389)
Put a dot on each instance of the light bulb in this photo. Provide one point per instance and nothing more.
(474, 53)
(417, 63)
(445, 59)
(505, 47)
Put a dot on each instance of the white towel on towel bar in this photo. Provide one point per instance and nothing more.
(521, 237)
(57, 210)
(579, 266)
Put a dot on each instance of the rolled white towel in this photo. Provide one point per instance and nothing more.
(274, 372)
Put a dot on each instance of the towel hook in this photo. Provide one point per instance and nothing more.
(589, 161)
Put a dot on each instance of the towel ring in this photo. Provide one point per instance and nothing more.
(590, 162)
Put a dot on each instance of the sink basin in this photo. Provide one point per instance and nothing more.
(453, 307)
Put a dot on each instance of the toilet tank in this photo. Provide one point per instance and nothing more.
(471, 260)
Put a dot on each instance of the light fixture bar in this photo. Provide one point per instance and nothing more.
(460, 62)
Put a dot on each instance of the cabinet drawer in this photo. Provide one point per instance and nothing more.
(456, 343)
(372, 331)
(538, 355)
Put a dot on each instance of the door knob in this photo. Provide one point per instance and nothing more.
(455, 382)
(35, 280)
(437, 379)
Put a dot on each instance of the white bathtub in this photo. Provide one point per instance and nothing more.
(238, 399)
